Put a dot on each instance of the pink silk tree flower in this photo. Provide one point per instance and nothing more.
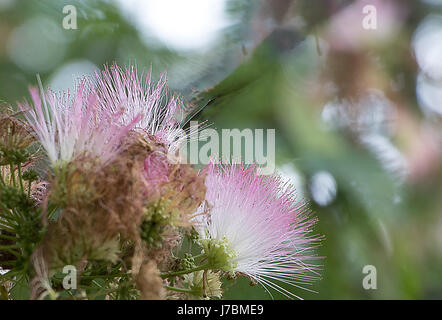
(67, 128)
(254, 225)
(119, 89)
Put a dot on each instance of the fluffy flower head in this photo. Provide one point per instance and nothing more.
(259, 225)
(67, 128)
(119, 89)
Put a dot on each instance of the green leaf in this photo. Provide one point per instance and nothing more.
(20, 290)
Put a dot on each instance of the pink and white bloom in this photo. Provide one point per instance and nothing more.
(67, 128)
(264, 229)
(125, 90)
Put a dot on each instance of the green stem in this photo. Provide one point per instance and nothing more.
(11, 171)
(181, 290)
(199, 256)
(101, 292)
(103, 276)
(2, 180)
(179, 273)
(20, 178)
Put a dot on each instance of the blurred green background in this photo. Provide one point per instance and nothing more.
(357, 111)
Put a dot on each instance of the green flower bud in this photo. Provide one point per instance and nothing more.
(30, 175)
(13, 198)
(188, 262)
(14, 156)
(219, 254)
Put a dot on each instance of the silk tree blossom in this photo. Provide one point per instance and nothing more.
(67, 128)
(257, 227)
(137, 94)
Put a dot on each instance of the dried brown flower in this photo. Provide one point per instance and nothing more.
(149, 282)
(14, 133)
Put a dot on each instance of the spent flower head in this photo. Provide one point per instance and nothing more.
(14, 133)
(203, 284)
